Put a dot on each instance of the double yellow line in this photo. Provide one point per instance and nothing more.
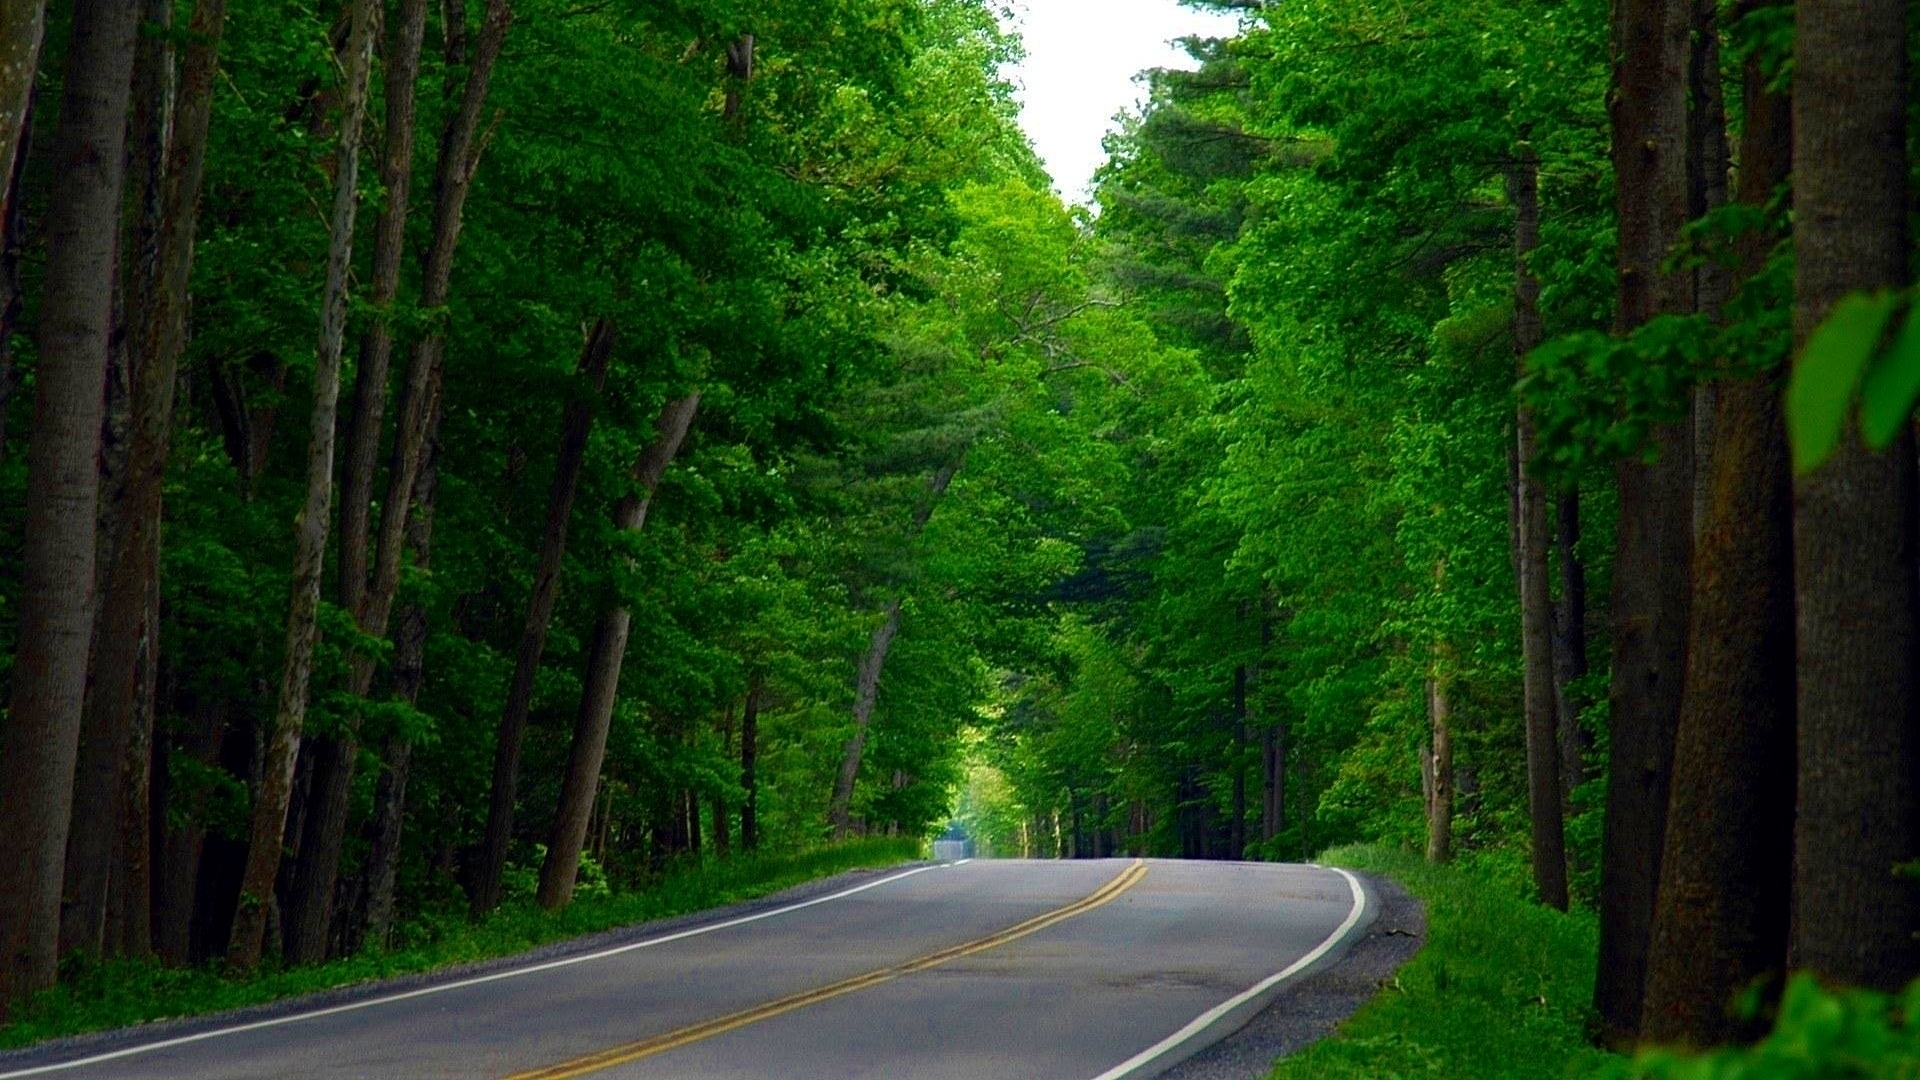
(672, 1040)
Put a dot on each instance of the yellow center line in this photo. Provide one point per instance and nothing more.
(672, 1040)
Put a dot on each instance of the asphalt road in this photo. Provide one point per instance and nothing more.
(999, 969)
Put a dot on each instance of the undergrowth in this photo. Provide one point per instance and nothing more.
(98, 995)
(1500, 991)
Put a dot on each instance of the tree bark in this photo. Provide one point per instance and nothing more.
(1654, 540)
(749, 765)
(1549, 845)
(1570, 645)
(601, 686)
(1436, 771)
(576, 427)
(267, 831)
(122, 631)
(1721, 920)
(1854, 522)
(41, 737)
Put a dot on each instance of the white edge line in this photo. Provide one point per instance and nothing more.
(1212, 1016)
(335, 1010)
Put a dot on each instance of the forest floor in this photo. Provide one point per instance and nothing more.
(1501, 990)
(95, 996)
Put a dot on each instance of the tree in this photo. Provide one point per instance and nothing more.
(1650, 577)
(57, 573)
(1858, 811)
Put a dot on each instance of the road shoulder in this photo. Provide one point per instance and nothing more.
(1309, 1010)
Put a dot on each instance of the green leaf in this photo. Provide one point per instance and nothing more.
(1892, 385)
(1827, 372)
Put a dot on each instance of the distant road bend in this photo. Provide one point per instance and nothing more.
(998, 969)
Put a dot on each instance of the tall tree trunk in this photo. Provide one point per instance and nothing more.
(1237, 828)
(267, 831)
(1549, 845)
(1654, 540)
(310, 901)
(1570, 644)
(157, 340)
(749, 766)
(139, 828)
(1726, 879)
(722, 814)
(866, 693)
(1436, 772)
(181, 846)
(601, 687)
(1273, 762)
(409, 674)
(576, 426)
(41, 737)
(1854, 521)
(867, 680)
(401, 62)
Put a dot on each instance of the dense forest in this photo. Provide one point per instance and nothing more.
(457, 455)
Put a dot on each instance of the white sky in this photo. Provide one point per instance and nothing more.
(1082, 56)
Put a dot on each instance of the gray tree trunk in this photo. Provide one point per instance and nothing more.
(267, 831)
(1854, 521)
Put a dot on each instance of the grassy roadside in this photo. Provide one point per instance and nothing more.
(117, 994)
(1500, 990)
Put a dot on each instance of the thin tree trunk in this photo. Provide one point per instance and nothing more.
(1436, 771)
(866, 693)
(601, 686)
(1654, 540)
(1854, 522)
(1237, 828)
(41, 737)
(576, 427)
(749, 765)
(409, 674)
(1549, 844)
(1570, 645)
(401, 62)
(1721, 920)
(157, 340)
(267, 831)
(722, 815)
(310, 901)
(181, 847)
(139, 826)
(1273, 757)
(867, 679)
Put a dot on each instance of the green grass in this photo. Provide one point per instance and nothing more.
(114, 994)
(1500, 990)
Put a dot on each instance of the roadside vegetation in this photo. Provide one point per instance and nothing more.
(1501, 990)
(481, 450)
(98, 994)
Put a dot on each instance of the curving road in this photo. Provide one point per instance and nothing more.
(999, 969)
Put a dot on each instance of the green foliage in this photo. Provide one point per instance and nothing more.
(1829, 374)
(1819, 1035)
